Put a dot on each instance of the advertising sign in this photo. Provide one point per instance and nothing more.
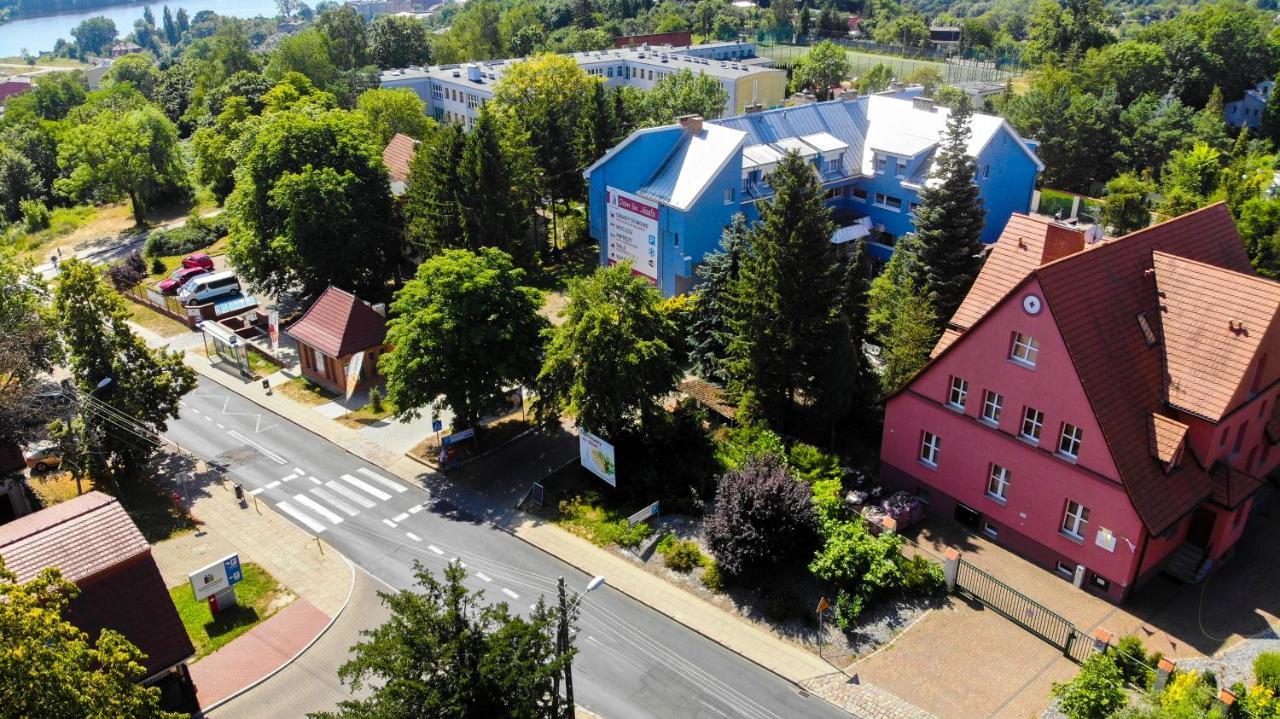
(353, 373)
(216, 577)
(632, 232)
(597, 456)
(638, 517)
(273, 329)
(456, 437)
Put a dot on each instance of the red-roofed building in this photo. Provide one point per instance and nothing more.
(396, 156)
(94, 543)
(12, 88)
(338, 330)
(1100, 406)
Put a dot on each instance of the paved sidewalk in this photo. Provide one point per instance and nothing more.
(782, 658)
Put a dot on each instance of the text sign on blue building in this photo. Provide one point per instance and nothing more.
(632, 232)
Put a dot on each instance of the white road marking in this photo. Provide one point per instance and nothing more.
(288, 477)
(256, 492)
(389, 484)
(350, 494)
(324, 511)
(195, 411)
(298, 470)
(220, 425)
(207, 417)
(272, 485)
(359, 484)
(413, 536)
(417, 508)
(510, 593)
(436, 549)
(389, 523)
(483, 576)
(313, 479)
(400, 517)
(275, 457)
(289, 510)
(717, 711)
(351, 511)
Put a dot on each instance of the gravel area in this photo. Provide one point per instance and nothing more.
(1235, 664)
(787, 608)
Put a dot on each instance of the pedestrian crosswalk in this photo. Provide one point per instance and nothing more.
(321, 504)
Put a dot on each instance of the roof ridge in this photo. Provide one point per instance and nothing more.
(1115, 241)
(91, 504)
(1252, 277)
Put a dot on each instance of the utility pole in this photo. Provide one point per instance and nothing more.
(562, 648)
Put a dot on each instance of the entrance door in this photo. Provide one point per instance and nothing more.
(1201, 527)
(968, 516)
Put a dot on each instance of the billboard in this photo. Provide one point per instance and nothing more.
(632, 232)
(597, 456)
(220, 575)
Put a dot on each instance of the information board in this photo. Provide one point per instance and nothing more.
(632, 232)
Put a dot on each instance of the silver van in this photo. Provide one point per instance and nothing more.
(203, 288)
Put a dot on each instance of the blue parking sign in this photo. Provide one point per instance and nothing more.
(232, 566)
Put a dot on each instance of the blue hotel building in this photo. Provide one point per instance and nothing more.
(663, 196)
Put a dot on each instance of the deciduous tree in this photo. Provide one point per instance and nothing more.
(93, 35)
(391, 111)
(29, 345)
(683, 93)
(138, 70)
(614, 328)
(54, 670)
(396, 42)
(463, 332)
(825, 66)
(763, 520)
(1128, 204)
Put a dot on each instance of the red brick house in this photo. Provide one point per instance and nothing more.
(333, 332)
(1106, 409)
(95, 544)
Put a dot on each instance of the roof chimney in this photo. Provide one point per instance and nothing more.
(691, 123)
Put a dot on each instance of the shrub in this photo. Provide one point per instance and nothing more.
(848, 608)
(35, 214)
(682, 556)
(1135, 665)
(711, 577)
(584, 516)
(1187, 695)
(736, 445)
(197, 234)
(157, 265)
(810, 464)
(1096, 692)
(762, 519)
(127, 273)
(1266, 670)
(375, 399)
(922, 576)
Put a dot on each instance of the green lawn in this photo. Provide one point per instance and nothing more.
(300, 390)
(861, 62)
(259, 596)
(152, 509)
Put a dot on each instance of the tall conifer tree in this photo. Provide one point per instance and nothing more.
(709, 332)
(433, 213)
(492, 215)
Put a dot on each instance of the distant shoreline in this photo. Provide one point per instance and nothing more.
(29, 16)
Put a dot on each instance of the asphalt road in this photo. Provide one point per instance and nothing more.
(633, 663)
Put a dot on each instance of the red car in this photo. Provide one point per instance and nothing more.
(198, 259)
(179, 278)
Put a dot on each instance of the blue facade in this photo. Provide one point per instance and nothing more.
(873, 155)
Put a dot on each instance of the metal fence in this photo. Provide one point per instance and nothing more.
(1024, 611)
(955, 68)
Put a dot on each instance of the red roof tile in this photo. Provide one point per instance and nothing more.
(1166, 437)
(82, 537)
(709, 396)
(339, 324)
(397, 156)
(1095, 297)
(1214, 320)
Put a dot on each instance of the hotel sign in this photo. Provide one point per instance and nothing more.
(632, 232)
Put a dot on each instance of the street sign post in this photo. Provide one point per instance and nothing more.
(638, 517)
(538, 493)
(823, 606)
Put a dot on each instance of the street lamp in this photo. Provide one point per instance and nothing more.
(562, 637)
(102, 383)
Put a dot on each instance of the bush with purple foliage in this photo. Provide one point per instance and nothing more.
(763, 518)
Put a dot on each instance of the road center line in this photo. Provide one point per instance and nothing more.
(313, 479)
(413, 536)
(400, 517)
(436, 549)
(510, 593)
(256, 492)
(275, 457)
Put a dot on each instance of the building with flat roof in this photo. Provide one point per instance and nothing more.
(1247, 111)
(662, 197)
(454, 93)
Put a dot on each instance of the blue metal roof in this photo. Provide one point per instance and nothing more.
(844, 119)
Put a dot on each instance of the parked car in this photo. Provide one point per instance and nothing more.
(198, 259)
(42, 457)
(209, 286)
(179, 278)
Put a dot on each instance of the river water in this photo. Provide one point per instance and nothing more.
(38, 34)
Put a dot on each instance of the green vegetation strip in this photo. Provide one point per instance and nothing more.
(259, 596)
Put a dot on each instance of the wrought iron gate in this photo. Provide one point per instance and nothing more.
(1024, 611)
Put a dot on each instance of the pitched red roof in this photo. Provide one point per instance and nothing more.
(1026, 243)
(94, 543)
(10, 88)
(1096, 297)
(339, 324)
(1211, 312)
(1166, 436)
(397, 155)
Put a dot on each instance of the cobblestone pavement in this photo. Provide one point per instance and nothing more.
(862, 700)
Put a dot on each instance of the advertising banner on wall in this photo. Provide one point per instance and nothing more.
(273, 329)
(632, 232)
(597, 456)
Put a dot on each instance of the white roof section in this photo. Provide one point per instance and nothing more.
(757, 156)
(859, 229)
(692, 165)
(825, 142)
(795, 144)
(898, 127)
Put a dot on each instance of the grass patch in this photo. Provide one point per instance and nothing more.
(586, 516)
(258, 596)
(577, 261)
(46, 61)
(260, 365)
(152, 320)
(303, 391)
(153, 510)
(54, 487)
(366, 415)
(62, 221)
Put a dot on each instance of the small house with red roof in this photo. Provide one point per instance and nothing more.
(340, 339)
(94, 544)
(1104, 407)
(397, 156)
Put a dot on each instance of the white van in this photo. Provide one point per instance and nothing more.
(203, 288)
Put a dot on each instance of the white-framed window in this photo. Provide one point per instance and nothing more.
(992, 403)
(880, 164)
(902, 168)
(959, 391)
(998, 482)
(1032, 424)
(990, 529)
(930, 445)
(1069, 440)
(1075, 520)
(728, 195)
(1065, 570)
(858, 194)
(889, 202)
(1026, 349)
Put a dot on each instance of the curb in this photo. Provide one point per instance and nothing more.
(204, 711)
